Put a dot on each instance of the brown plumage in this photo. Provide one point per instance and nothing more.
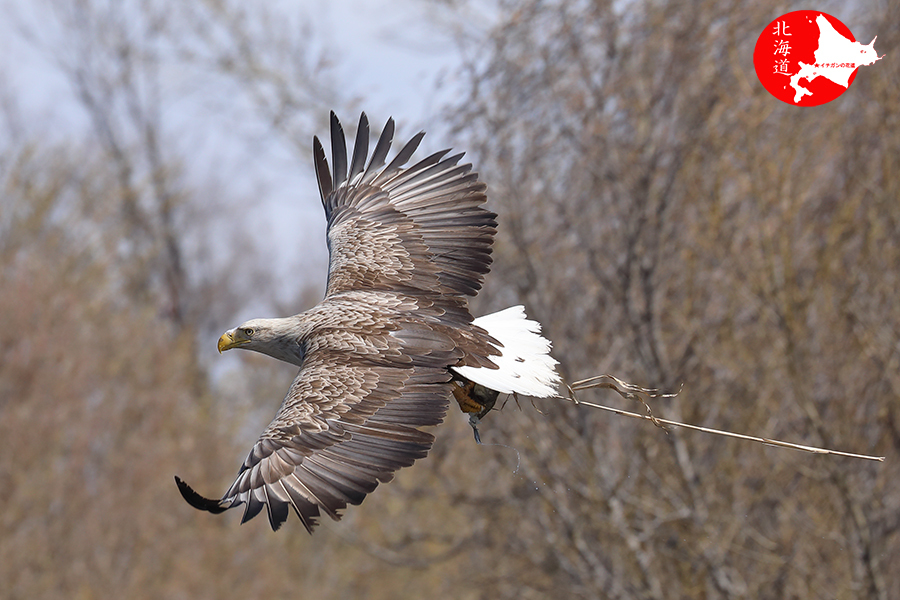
(407, 248)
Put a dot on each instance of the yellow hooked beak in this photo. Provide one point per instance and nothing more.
(232, 339)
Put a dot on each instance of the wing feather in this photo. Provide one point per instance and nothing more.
(254, 504)
(338, 152)
(360, 148)
(323, 176)
(277, 505)
(379, 156)
(402, 158)
(393, 228)
(306, 511)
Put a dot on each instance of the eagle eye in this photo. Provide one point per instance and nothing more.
(248, 331)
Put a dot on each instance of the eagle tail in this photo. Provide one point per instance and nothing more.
(524, 364)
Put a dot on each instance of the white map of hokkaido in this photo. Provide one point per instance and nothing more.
(834, 50)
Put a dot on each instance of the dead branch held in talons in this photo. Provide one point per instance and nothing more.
(638, 393)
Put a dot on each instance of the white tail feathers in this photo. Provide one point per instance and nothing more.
(524, 361)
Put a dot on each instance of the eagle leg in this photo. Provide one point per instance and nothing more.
(475, 400)
(474, 421)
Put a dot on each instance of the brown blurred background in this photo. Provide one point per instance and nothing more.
(664, 217)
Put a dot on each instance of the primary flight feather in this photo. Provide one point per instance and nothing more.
(391, 342)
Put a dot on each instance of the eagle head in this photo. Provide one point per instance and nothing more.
(275, 337)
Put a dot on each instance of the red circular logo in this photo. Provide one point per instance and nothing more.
(807, 57)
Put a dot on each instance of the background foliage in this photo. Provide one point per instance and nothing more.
(665, 219)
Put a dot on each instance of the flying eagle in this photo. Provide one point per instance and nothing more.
(393, 339)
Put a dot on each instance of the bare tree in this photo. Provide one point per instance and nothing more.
(663, 216)
(668, 221)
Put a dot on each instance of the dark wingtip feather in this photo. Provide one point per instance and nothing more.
(405, 153)
(360, 147)
(253, 507)
(198, 501)
(381, 149)
(338, 151)
(305, 510)
(277, 511)
(322, 174)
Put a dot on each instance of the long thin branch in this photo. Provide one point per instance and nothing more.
(633, 392)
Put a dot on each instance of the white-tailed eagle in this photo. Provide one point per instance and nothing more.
(393, 339)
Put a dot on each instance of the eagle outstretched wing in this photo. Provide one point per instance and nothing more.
(407, 247)
(391, 228)
(347, 423)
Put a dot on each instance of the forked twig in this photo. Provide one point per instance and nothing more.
(637, 393)
(629, 391)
